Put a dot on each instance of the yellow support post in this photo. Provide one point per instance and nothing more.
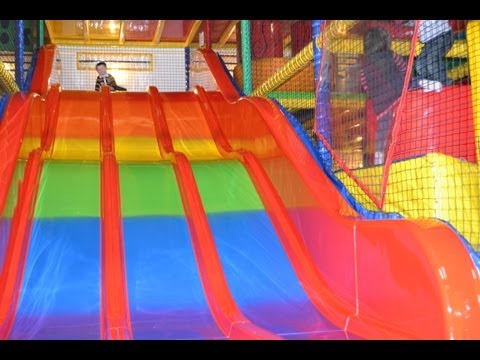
(473, 44)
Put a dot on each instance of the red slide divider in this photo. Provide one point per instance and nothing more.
(43, 69)
(12, 130)
(115, 313)
(12, 273)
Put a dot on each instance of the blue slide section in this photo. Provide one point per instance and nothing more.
(262, 280)
(257, 269)
(165, 293)
(60, 294)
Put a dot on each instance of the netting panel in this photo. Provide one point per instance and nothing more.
(133, 68)
(397, 111)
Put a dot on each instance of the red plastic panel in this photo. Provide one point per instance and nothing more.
(176, 30)
(439, 122)
(142, 30)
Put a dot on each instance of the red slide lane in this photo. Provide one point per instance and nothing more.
(320, 295)
(224, 310)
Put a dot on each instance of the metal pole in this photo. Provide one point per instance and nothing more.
(3, 104)
(41, 33)
(187, 68)
(208, 35)
(246, 57)
(473, 44)
(317, 52)
(322, 106)
(19, 51)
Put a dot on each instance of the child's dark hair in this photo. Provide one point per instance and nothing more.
(376, 40)
(101, 63)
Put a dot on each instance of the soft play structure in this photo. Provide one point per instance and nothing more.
(203, 215)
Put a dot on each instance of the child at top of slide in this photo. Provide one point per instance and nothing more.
(105, 79)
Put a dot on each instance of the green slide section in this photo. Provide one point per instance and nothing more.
(72, 189)
(69, 189)
(225, 186)
(13, 191)
(149, 189)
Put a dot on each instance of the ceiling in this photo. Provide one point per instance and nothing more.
(154, 33)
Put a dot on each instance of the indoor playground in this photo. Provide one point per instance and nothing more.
(239, 179)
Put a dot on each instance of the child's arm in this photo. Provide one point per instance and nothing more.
(97, 85)
(363, 81)
(400, 63)
(113, 83)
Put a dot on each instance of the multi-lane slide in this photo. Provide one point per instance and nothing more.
(202, 215)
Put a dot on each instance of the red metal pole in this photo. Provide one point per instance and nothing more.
(208, 34)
